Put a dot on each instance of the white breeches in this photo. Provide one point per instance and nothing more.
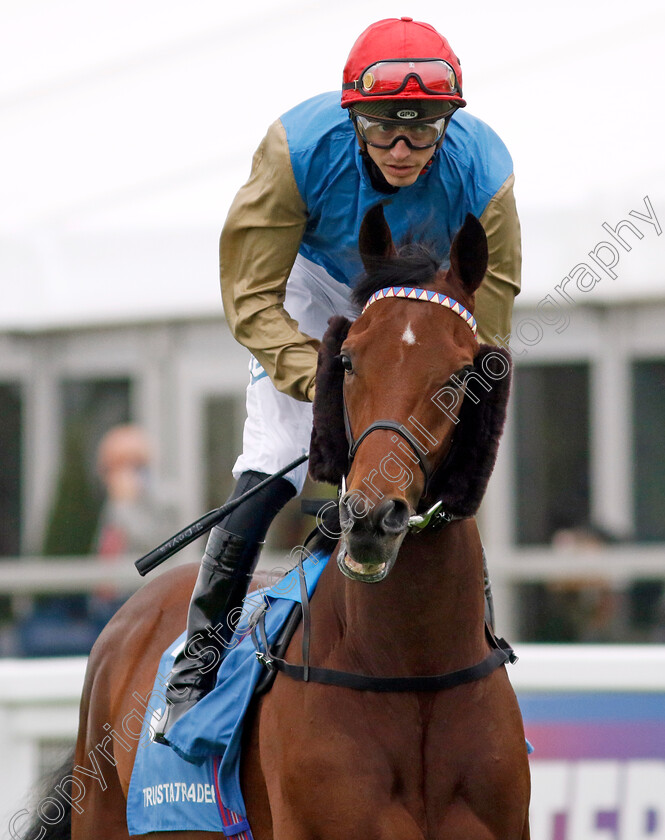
(278, 427)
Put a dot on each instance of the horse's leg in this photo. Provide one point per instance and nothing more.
(119, 678)
(100, 811)
(103, 811)
(346, 815)
(316, 788)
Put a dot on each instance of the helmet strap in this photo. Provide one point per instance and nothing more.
(376, 177)
(429, 163)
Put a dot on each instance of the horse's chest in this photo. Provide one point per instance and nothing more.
(415, 767)
(392, 742)
(372, 758)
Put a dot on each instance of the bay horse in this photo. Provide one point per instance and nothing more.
(408, 413)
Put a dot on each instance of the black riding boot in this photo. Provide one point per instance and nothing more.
(226, 570)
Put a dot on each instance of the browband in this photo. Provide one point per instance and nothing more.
(427, 295)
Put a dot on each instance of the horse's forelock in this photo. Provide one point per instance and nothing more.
(415, 264)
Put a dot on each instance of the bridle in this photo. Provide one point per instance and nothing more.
(427, 296)
(500, 651)
(391, 426)
(419, 450)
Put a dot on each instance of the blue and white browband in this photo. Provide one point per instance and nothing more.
(428, 296)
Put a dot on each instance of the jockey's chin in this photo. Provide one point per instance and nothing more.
(400, 166)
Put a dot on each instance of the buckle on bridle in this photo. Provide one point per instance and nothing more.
(434, 517)
(421, 520)
(264, 659)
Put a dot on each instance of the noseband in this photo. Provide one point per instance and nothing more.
(391, 426)
(407, 293)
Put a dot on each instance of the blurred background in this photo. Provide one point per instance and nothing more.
(127, 129)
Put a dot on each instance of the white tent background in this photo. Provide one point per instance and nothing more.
(127, 127)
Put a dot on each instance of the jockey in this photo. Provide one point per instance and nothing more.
(289, 259)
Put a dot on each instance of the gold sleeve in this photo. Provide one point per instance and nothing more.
(494, 299)
(258, 247)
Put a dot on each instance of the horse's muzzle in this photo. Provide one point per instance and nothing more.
(371, 538)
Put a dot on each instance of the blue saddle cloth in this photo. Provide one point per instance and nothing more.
(194, 785)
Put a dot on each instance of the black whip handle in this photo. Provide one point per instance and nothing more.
(178, 541)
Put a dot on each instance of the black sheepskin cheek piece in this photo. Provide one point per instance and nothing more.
(462, 480)
(328, 451)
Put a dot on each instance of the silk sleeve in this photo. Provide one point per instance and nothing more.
(258, 247)
(495, 297)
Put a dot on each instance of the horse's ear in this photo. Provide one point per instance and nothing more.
(469, 254)
(375, 241)
(462, 479)
(329, 450)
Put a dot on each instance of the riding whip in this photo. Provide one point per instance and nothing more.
(178, 541)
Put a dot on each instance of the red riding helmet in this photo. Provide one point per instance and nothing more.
(401, 59)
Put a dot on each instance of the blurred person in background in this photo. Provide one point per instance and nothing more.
(132, 519)
(577, 610)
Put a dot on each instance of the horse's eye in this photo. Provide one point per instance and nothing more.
(346, 363)
(458, 379)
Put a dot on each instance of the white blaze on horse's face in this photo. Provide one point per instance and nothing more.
(408, 336)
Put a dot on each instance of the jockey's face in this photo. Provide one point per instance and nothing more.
(400, 165)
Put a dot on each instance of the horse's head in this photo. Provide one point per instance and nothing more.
(409, 407)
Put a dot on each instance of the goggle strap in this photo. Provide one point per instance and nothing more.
(454, 89)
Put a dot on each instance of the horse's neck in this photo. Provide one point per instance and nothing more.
(426, 616)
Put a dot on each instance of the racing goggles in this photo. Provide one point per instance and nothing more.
(384, 134)
(386, 78)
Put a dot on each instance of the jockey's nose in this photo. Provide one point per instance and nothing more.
(400, 151)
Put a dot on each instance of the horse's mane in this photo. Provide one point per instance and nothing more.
(414, 264)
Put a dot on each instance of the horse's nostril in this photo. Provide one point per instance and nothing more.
(389, 518)
(392, 516)
(354, 507)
